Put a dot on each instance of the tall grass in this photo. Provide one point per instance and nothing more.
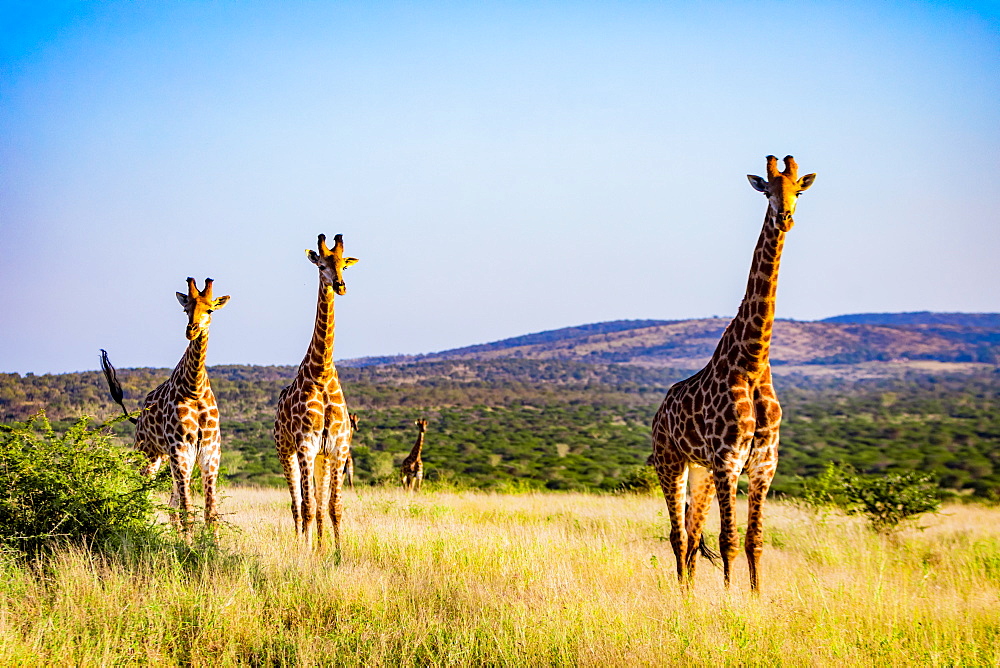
(470, 578)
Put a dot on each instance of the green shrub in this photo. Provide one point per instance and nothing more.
(885, 500)
(641, 480)
(888, 500)
(73, 487)
(827, 490)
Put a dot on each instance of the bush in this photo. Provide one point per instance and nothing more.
(885, 500)
(888, 500)
(827, 490)
(74, 487)
(641, 480)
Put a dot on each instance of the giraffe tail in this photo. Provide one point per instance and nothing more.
(113, 385)
(707, 552)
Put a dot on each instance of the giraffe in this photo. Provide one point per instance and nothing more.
(724, 419)
(179, 422)
(312, 431)
(349, 463)
(413, 466)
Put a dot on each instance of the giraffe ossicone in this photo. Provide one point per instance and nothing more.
(312, 430)
(724, 419)
(179, 422)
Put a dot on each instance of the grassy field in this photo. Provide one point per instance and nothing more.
(556, 579)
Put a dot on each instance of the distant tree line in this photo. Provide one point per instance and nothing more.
(568, 425)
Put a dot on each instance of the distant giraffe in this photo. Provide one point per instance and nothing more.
(312, 431)
(349, 464)
(413, 466)
(179, 421)
(725, 418)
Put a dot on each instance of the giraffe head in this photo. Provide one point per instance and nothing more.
(199, 306)
(354, 421)
(332, 263)
(421, 425)
(782, 189)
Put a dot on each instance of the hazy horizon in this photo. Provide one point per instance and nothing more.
(500, 169)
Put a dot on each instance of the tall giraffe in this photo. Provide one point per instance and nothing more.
(179, 421)
(349, 463)
(724, 419)
(413, 466)
(312, 431)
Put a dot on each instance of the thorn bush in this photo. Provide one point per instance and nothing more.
(76, 487)
(885, 500)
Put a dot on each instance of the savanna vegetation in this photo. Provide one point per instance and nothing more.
(475, 578)
(571, 426)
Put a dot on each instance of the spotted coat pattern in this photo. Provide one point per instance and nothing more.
(724, 420)
(412, 469)
(312, 431)
(179, 423)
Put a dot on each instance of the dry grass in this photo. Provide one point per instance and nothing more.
(468, 579)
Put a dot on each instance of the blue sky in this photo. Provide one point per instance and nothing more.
(498, 168)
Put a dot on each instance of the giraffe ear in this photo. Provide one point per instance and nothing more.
(183, 299)
(220, 302)
(348, 261)
(313, 256)
(758, 183)
(806, 181)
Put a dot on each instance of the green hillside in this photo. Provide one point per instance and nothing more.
(569, 425)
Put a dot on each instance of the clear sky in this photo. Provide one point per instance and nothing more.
(499, 168)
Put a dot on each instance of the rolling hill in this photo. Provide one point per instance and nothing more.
(849, 339)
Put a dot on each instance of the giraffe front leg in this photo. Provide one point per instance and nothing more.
(322, 471)
(153, 466)
(181, 466)
(673, 480)
(208, 461)
(172, 505)
(306, 468)
(761, 474)
(729, 541)
(291, 471)
(336, 507)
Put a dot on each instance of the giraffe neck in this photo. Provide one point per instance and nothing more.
(746, 343)
(417, 447)
(190, 377)
(318, 362)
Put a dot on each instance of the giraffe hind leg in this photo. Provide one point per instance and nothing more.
(702, 490)
(673, 480)
(292, 473)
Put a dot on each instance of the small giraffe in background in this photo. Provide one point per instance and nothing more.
(349, 464)
(725, 418)
(179, 421)
(312, 431)
(413, 466)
